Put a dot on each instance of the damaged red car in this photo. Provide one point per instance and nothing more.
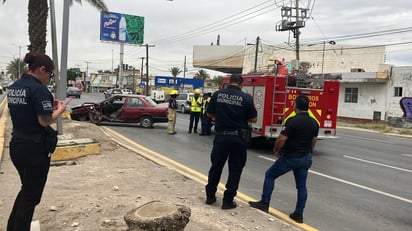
(122, 110)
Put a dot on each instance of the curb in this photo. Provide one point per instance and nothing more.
(71, 149)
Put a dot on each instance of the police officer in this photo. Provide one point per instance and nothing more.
(231, 109)
(294, 148)
(32, 109)
(171, 112)
(195, 109)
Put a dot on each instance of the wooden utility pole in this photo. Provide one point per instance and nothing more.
(256, 54)
(147, 68)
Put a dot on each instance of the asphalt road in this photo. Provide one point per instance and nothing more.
(361, 181)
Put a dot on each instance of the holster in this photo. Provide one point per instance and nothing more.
(51, 139)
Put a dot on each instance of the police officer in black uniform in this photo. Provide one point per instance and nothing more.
(32, 109)
(231, 109)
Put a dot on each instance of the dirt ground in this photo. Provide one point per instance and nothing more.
(95, 192)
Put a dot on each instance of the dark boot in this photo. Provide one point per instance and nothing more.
(210, 200)
(298, 217)
(229, 205)
(260, 205)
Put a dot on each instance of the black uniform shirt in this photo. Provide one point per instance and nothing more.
(172, 103)
(27, 98)
(300, 130)
(232, 108)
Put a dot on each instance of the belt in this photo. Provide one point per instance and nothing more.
(228, 133)
(35, 137)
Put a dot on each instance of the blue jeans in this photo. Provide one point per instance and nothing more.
(300, 167)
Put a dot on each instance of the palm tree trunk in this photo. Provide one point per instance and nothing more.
(38, 12)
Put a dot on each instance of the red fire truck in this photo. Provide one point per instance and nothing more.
(274, 97)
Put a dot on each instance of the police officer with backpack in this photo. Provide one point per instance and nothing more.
(232, 110)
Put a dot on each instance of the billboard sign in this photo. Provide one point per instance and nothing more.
(118, 27)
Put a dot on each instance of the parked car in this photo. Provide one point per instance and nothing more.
(183, 102)
(126, 91)
(73, 91)
(111, 92)
(124, 109)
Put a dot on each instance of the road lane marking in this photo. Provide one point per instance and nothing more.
(363, 138)
(407, 155)
(353, 184)
(377, 163)
(191, 173)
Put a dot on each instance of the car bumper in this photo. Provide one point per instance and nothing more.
(160, 119)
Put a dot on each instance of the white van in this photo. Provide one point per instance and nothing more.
(158, 96)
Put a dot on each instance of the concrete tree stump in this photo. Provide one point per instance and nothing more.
(158, 216)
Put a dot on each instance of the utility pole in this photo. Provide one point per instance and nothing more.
(184, 74)
(297, 32)
(141, 72)
(147, 68)
(292, 20)
(256, 54)
(87, 72)
(120, 83)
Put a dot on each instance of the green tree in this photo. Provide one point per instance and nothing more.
(201, 74)
(218, 80)
(175, 71)
(13, 68)
(37, 17)
(72, 74)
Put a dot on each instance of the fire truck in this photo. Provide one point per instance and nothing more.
(274, 96)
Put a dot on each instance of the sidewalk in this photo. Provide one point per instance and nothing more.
(95, 192)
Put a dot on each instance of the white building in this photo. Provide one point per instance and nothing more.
(369, 90)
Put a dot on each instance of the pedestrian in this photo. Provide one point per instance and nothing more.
(195, 108)
(172, 113)
(294, 148)
(206, 123)
(231, 109)
(32, 111)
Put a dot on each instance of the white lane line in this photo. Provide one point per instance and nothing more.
(363, 138)
(407, 155)
(362, 187)
(352, 184)
(376, 163)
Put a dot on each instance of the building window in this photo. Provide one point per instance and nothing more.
(398, 91)
(377, 115)
(351, 95)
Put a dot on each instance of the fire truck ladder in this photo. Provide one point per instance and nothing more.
(278, 102)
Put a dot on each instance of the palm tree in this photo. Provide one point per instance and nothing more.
(14, 67)
(175, 71)
(37, 17)
(201, 74)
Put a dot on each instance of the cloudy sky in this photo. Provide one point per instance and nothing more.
(174, 27)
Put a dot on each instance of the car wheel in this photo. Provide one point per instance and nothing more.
(83, 118)
(95, 118)
(146, 121)
(183, 110)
